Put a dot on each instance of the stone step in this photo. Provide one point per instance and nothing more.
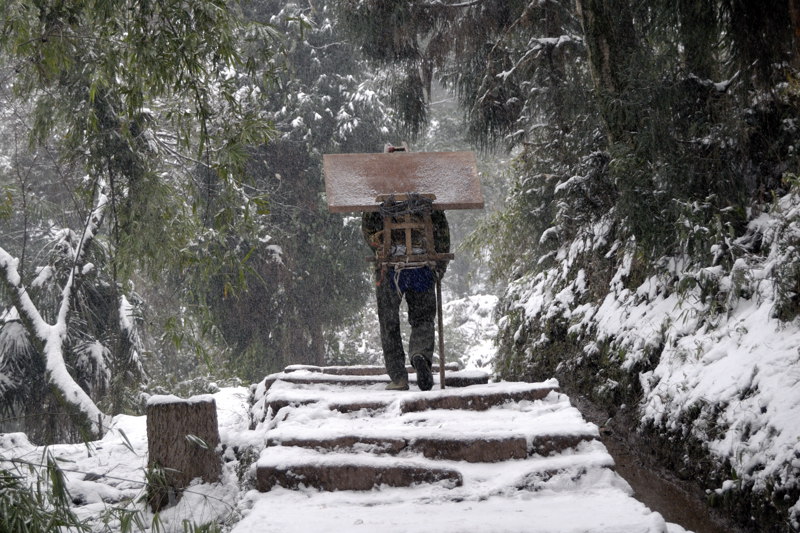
(474, 449)
(478, 398)
(362, 370)
(313, 378)
(293, 468)
(475, 400)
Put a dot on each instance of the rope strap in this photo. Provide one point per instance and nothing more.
(416, 204)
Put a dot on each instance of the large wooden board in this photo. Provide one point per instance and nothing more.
(353, 181)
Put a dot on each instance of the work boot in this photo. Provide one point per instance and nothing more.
(400, 384)
(423, 368)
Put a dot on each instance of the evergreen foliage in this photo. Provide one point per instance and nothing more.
(41, 507)
(499, 57)
(126, 100)
(649, 137)
(308, 276)
(536, 76)
(103, 348)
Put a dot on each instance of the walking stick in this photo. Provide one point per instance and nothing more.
(441, 329)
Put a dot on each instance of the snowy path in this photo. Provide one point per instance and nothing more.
(562, 482)
(573, 489)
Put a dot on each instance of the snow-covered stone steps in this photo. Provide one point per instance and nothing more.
(512, 430)
(492, 457)
(350, 433)
(277, 392)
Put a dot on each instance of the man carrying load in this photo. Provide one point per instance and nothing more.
(413, 280)
(403, 196)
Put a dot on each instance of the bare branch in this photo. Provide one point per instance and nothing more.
(439, 3)
(90, 229)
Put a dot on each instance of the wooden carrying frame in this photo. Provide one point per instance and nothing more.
(407, 224)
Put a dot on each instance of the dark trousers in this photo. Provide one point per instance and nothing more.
(421, 315)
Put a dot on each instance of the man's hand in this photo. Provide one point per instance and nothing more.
(441, 268)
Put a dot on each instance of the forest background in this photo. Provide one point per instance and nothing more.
(164, 225)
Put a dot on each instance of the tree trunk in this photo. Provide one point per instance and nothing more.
(699, 35)
(317, 345)
(611, 47)
(182, 441)
(794, 15)
(764, 38)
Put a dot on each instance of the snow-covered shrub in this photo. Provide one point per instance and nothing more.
(702, 350)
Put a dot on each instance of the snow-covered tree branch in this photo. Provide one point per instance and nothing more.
(163, 108)
(49, 339)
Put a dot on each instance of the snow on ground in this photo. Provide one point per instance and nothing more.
(405, 510)
(565, 492)
(738, 369)
(726, 369)
(471, 321)
(744, 367)
(109, 474)
(106, 478)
